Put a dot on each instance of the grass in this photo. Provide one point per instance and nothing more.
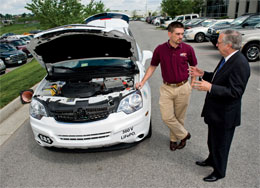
(19, 28)
(19, 79)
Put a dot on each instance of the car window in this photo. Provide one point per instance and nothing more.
(208, 23)
(195, 16)
(239, 20)
(252, 21)
(18, 43)
(187, 17)
(7, 48)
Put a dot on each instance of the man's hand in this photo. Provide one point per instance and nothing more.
(202, 85)
(139, 85)
(194, 71)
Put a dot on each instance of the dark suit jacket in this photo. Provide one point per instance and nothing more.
(222, 106)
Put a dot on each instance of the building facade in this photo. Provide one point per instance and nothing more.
(230, 8)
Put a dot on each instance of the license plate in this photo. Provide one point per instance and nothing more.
(20, 62)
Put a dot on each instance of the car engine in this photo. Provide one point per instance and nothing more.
(73, 101)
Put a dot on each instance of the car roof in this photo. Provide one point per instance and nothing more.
(109, 19)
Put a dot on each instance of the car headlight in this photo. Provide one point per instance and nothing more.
(7, 58)
(37, 109)
(131, 103)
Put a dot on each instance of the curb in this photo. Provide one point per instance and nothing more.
(12, 107)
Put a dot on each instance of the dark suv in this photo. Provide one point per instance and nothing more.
(245, 21)
(10, 55)
(19, 44)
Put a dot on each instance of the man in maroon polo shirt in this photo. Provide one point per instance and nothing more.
(174, 57)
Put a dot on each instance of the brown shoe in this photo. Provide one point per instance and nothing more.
(183, 141)
(173, 145)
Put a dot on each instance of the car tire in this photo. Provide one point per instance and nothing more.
(149, 135)
(200, 37)
(252, 51)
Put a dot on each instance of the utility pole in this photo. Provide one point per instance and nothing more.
(146, 12)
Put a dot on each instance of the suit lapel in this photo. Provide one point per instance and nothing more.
(225, 67)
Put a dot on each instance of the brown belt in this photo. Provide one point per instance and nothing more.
(175, 84)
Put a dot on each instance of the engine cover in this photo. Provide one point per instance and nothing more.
(80, 89)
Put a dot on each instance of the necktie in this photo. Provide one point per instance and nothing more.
(221, 64)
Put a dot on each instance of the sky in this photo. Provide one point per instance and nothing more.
(17, 6)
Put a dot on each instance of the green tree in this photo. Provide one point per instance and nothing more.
(94, 8)
(198, 6)
(171, 7)
(178, 7)
(53, 13)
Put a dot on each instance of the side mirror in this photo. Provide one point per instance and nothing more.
(146, 55)
(26, 96)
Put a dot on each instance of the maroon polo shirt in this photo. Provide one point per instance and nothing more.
(174, 61)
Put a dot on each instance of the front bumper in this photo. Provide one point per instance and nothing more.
(117, 128)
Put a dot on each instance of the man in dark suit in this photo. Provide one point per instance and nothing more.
(222, 109)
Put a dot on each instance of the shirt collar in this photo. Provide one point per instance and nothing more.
(230, 55)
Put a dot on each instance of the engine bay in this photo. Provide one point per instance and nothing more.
(86, 89)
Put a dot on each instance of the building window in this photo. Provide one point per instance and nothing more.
(247, 6)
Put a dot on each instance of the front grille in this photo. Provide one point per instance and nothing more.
(95, 136)
(81, 115)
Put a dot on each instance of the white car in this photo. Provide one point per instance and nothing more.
(180, 18)
(198, 34)
(88, 98)
(251, 43)
(25, 38)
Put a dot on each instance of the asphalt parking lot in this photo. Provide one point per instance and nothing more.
(150, 163)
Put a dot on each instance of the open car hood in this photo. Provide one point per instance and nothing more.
(79, 42)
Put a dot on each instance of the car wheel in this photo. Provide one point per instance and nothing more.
(200, 37)
(157, 24)
(149, 135)
(251, 51)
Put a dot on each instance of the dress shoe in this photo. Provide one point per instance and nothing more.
(211, 178)
(173, 145)
(183, 141)
(203, 163)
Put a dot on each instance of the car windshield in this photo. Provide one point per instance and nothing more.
(208, 23)
(195, 21)
(92, 64)
(18, 43)
(222, 23)
(239, 20)
(7, 48)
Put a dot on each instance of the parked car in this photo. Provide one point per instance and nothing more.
(157, 20)
(2, 67)
(198, 34)
(245, 21)
(25, 38)
(88, 98)
(6, 35)
(198, 22)
(180, 18)
(11, 56)
(251, 43)
(19, 44)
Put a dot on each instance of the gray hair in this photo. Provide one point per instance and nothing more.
(232, 37)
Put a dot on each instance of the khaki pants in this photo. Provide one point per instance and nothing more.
(173, 105)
